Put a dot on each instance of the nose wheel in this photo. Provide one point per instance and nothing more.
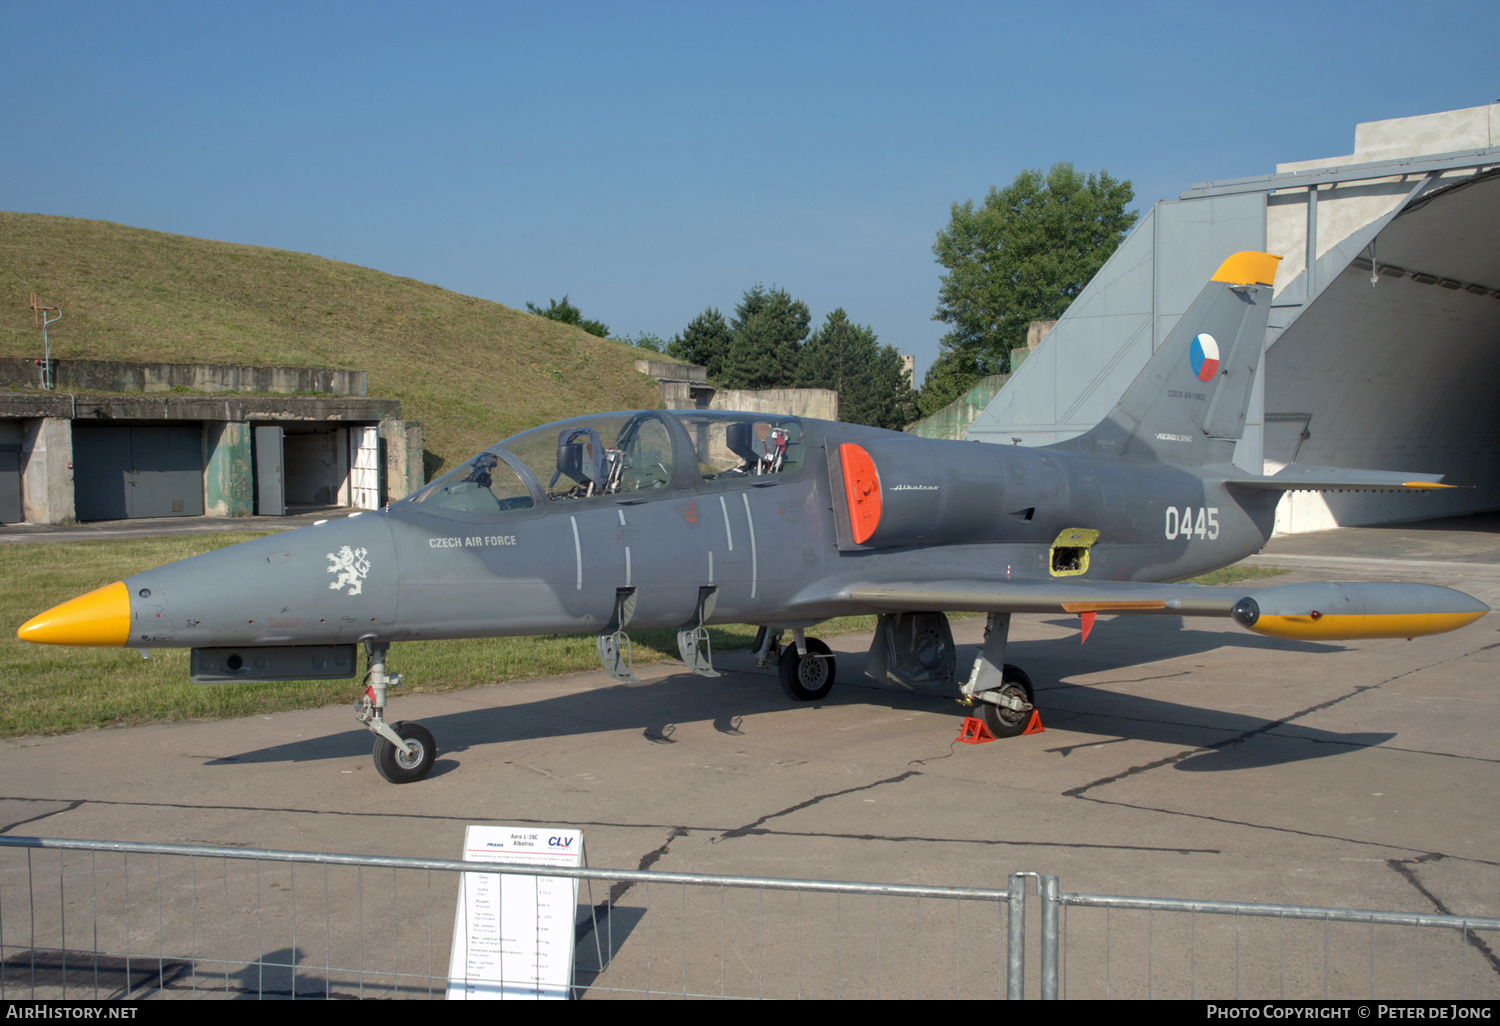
(411, 763)
(404, 752)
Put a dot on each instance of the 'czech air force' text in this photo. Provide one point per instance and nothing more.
(475, 541)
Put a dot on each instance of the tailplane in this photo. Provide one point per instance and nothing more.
(1188, 404)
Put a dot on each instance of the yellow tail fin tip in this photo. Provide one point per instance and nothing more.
(1248, 268)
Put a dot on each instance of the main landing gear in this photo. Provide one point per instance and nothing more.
(404, 752)
(1003, 692)
(806, 667)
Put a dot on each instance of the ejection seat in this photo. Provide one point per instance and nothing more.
(761, 455)
(740, 438)
(581, 458)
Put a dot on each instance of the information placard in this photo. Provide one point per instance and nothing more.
(513, 934)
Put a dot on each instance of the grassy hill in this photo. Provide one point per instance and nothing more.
(470, 370)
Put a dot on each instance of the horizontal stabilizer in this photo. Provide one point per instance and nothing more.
(1298, 477)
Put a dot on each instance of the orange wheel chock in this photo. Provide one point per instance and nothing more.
(1035, 726)
(974, 732)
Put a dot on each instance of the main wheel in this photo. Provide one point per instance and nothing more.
(808, 678)
(396, 765)
(1004, 722)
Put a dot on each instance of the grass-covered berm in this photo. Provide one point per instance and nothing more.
(472, 371)
(46, 689)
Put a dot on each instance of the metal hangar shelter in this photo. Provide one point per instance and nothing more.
(1384, 342)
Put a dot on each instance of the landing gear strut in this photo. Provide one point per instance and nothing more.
(1003, 692)
(404, 752)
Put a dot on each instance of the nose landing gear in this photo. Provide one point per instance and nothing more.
(404, 752)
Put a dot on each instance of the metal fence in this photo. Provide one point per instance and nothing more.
(1123, 947)
(97, 919)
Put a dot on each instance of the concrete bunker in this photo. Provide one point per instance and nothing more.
(124, 452)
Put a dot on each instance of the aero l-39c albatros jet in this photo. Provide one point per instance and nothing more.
(688, 518)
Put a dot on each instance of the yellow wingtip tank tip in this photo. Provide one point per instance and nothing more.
(100, 618)
(1248, 268)
(1350, 627)
(1425, 484)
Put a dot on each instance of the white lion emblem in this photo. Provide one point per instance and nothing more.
(351, 565)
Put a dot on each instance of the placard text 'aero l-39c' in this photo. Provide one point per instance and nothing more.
(689, 518)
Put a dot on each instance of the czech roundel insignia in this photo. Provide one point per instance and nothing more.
(1205, 356)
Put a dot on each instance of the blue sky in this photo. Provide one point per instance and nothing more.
(653, 159)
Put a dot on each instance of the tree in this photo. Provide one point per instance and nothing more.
(872, 387)
(567, 313)
(766, 339)
(1022, 256)
(891, 401)
(704, 341)
(647, 340)
(948, 377)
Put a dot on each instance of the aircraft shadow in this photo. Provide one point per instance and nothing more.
(1234, 741)
(1136, 648)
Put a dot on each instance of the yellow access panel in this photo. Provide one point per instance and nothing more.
(1070, 552)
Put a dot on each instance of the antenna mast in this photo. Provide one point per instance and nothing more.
(39, 312)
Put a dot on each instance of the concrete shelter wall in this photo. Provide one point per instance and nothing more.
(819, 403)
(953, 420)
(403, 457)
(128, 376)
(47, 471)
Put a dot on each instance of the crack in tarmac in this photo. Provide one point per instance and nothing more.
(1407, 869)
(720, 832)
(752, 826)
(1287, 830)
(1080, 791)
(617, 890)
(1267, 728)
(74, 804)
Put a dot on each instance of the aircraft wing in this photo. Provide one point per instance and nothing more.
(979, 596)
(1310, 611)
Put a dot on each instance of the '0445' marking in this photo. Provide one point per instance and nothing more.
(1190, 523)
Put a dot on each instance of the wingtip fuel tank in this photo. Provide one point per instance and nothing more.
(1318, 611)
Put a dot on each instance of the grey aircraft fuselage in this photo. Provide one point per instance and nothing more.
(955, 509)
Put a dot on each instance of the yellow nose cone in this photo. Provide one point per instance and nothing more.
(102, 617)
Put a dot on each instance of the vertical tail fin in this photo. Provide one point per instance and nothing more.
(1188, 404)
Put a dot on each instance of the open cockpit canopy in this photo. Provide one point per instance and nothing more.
(617, 454)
